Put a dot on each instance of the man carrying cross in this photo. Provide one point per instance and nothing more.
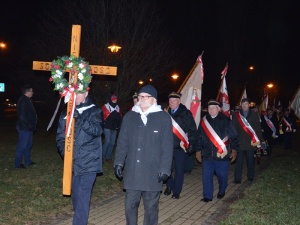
(87, 152)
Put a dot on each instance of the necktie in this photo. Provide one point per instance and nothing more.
(172, 111)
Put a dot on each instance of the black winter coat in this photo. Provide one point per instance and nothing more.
(145, 150)
(87, 155)
(185, 120)
(27, 117)
(223, 126)
(244, 138)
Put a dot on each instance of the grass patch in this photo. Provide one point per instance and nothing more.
(273, 198)
(34, 195)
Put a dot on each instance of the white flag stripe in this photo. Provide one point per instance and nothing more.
(295, 104)
(193, 89)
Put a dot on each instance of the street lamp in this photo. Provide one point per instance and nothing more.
(141, 82)
(251, 67)
(114, 48)
(175, 76)
(270, 85)
(2, 45)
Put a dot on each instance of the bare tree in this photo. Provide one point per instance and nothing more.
(136, 26)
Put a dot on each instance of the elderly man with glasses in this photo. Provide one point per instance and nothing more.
(144, 151)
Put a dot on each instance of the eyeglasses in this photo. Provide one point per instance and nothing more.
(144, 97)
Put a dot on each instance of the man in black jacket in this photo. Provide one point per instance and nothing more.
(87, 153)
(218, 144)
(270, 128)
(144, 150)
(112, 121)
(184, 119)
(26, 125)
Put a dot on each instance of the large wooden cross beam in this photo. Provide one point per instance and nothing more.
(99, 70)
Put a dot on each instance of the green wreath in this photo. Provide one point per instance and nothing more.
(74, 65)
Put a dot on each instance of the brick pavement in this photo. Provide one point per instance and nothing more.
(187, 210)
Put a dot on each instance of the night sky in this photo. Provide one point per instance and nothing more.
(264, 34)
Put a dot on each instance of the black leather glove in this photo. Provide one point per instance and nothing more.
(76, 113)
(118, 172)
(190, 150)
(162, 177)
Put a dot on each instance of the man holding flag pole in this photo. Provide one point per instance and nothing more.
(185, 109)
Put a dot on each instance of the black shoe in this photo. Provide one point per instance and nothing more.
(21, 166)
(168, 191)
(175, 196)
(237, 182)
(32, 163)
(220, 196)
(206, 200)
(250, 179)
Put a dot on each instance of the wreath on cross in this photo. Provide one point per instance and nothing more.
(74, 65)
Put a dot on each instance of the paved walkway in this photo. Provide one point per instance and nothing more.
(187, 210)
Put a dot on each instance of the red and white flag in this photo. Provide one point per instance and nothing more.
(192, 90)
(263, 105)
(295, 104)
(244, 95)
(223, 93)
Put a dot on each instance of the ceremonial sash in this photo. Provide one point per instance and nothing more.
(214, 137)
(247, 127)
(107, 109)
(287, 124)
(177, 130)
(271, 125)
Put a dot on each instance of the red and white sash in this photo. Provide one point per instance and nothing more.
(247, 127)
(271, 125)
(214, 138)
(177, 130)
(287, 124)
(108, 109)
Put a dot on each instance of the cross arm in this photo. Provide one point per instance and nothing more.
(96, 69)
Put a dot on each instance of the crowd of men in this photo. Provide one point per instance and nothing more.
(153, 145)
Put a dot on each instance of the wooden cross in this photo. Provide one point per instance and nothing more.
(99, 70)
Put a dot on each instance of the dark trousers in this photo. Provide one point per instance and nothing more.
(132, 202)
(287, 138)
(175, 181)
(81, 196)
(239, 164)
(23, 147)
(211, 167)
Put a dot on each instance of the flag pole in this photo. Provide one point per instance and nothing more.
(190, 73)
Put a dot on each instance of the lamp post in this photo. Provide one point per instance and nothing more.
(114, 48)
(2, 45)
(272, 93)
(175, 76)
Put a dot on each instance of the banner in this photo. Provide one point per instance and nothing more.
(295, 104)
(223, 93)
(244, 95)
(192, 90)
(263, 105)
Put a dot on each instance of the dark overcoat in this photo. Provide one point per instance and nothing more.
(87, 150)
(145, 150)
(243, 136)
